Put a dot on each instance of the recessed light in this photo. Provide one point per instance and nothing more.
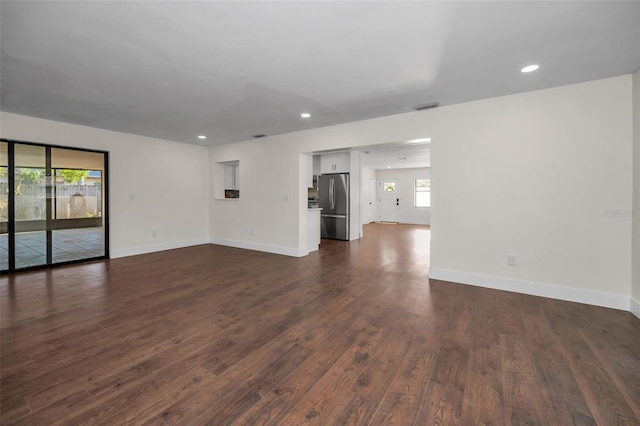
(305, 115)
(530, 68)
(202, 137)
(388, 167)
(420, 140)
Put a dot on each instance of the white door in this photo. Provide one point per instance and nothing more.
(371, 200)
(388, 200)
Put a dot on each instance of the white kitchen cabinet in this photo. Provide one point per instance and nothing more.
(232, 176)
(336, 162)
(316, 165)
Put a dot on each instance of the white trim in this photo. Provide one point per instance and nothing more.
(287, 251)
(589, 297)
(170, 245)
(635, 307)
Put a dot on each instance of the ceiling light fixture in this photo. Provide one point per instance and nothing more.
(305, 115)
(530, 68)
(202, 137)
(419, 140)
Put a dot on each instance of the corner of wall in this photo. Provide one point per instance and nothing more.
(635, 307)
(303, 173)
(355, 225)
(635, 226)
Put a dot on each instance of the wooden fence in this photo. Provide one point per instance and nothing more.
(70, 201)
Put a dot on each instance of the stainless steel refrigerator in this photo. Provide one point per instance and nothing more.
(333, 198)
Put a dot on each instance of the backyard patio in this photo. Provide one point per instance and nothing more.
(68, 245)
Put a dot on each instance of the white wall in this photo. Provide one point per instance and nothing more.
(168, 181)
(529, 174)
(368, 202)
(407, 211)
(273, 196)
(536, 175)
(270, 172)
(635, 290)
(355, 223)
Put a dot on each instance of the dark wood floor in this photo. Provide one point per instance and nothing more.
(352, 334)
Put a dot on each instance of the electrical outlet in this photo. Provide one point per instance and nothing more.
(154, 234)
(512, 260)
(251, 231)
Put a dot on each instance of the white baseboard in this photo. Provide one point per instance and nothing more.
(570, 294)
(635, 307)
(116, 253)
(414, 222)
(287, 251)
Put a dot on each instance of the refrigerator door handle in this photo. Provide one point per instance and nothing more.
(332, 196)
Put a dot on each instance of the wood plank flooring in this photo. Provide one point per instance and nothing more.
(352, 334)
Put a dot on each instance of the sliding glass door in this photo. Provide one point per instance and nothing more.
(30, 205)
(78, 204)
(52, 205)
(4, 206)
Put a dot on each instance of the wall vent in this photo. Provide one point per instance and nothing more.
(426, 106)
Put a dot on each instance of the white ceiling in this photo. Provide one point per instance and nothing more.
(396, 156)
(230, 70)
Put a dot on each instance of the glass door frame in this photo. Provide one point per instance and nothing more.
(49, 182)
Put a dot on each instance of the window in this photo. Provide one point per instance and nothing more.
(423, 193)
(389, 186)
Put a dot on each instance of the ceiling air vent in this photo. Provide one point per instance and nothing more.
(426, 106)
(259, 136)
